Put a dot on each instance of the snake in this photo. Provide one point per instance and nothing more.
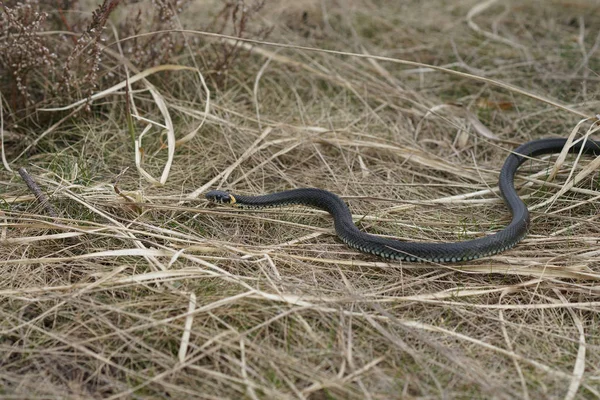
(436, 252)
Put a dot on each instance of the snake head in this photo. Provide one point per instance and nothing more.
(220, 197)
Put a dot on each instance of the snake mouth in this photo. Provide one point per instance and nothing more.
(220, 197)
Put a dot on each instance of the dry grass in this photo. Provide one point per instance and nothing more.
(153, 294)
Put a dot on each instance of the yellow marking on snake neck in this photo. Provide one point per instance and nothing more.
(232, 199)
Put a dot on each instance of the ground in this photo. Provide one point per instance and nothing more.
(141, 289)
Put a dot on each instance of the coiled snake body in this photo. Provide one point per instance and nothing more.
(414, 251)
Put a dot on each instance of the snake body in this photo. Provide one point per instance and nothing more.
(393, 249)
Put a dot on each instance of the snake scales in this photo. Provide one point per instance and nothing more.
(393, 249)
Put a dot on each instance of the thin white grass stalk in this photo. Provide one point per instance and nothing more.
(585, 56)
(192, 55)
(39, 317)
(2, 145)
(592, 200)
(457, 293)
(87, 256)
(265, 162)
(356, 374)
(3, 237)
(587, 170)
(306, 300)
(162, 106)
(489, 81)
(212, 270)
(365, 172)
(249, 385)
(134, 280)
(586, 305)
(478, 9)
(565, 151)
(591, 167)
(295, 300)
(254, 149)
(138, 157)
(579, 367)
(271, 264)
(259, 75)
(124, 281)
(101, 230)
(190, 361)
(126, 65)
(575, 225)
(511, 348)
(591, 254)
(227, 171)
(104, 280)
(251, 214)
(122, 84)
(512, 355)
(391, 80)
(187, 328)
(160, 103)
(205, 115)
(468, 115)
(288, 381)
(523, 266)
(300, 239)
(47, 132)
(415, 155)
(153, 261)
(274, 269)
(149, 121)
(69, 343)
(142, 75)
(34, 239)
(198, 114)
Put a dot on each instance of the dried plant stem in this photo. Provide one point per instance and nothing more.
(39, 195)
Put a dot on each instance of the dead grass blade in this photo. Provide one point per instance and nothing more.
(468, 76)
(226, 172)
(579, 366)
(122, 84)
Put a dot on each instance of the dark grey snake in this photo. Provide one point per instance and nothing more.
(413, 251)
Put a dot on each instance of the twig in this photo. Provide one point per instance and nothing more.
(131, 201)
(40, 196)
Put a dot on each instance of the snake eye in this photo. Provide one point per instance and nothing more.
(219, 196)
